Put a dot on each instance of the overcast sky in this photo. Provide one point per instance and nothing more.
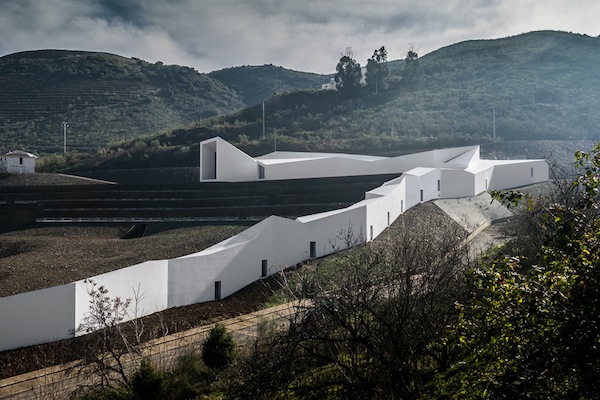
(306, 35)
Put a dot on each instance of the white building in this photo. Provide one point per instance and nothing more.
(18, 162)
(274, 243)
(459, 171)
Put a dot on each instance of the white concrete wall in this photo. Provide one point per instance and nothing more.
(517, 173)
(36, 317)
(384, 206)
(14, 166)
(147, 281)
(232, 164)
(455, 183)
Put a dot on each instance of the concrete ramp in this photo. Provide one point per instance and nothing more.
(474, 213)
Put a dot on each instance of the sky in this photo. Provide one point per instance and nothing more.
(304, 35)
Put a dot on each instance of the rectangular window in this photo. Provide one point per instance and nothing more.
(264, 269)
(313, 249)
(21, 162)
(486, 184)
(217, 290)
(421, 194)
(532, 172)
(388, 215)
(439, 185)
(261, 172)
(371, 232)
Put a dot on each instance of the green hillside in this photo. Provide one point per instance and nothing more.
(257, 83)
(542, 85)
(107, 98)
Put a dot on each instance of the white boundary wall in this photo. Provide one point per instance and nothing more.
(54, 313)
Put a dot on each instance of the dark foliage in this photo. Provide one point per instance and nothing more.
(218, 351)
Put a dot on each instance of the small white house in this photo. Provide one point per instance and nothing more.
(18, 162)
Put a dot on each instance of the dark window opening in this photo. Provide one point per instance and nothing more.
(217, 290)
(264, 268)
(313, 249)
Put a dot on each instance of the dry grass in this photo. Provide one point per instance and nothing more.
(37, 258)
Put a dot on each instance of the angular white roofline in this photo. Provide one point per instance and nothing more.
(274, 243)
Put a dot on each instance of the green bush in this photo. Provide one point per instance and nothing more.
(189, 378)
(146, 382)
(218, 351)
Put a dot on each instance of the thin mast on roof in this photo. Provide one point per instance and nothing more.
(65, 126)
(263, 136)
(494, 123)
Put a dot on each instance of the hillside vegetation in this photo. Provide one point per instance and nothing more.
(542, 85)
(107, 98)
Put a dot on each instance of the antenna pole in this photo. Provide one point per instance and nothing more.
(263, 136)
(494, 123)
(65, 125)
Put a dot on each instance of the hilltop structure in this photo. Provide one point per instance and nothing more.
(447, 173)
(275, 242)
(18, 162)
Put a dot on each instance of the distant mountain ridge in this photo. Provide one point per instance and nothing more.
(539, 85)
(106, 97)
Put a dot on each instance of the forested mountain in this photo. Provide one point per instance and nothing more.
(539, 85)
(107, 98)
(257, 83)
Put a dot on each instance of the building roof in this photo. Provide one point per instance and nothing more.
(19, 153)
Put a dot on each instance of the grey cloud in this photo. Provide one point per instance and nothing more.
(308, 35)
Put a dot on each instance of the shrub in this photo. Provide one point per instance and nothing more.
(146, 382)
(218, 351)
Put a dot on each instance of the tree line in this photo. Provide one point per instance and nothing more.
(349, 75)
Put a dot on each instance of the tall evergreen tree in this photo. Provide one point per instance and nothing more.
(412, 74)
(348, 73)
(377, 69)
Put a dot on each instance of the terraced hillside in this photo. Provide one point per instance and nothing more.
(103, 97)
(242, 202)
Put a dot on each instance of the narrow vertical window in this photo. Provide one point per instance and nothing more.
(532, 172)
(421, 194)
(264, 269)
(486, 184)
(313, 249)
(401, 206)
(217, 290)
(21, 162)
(371, 232)
(439, 185)
(261, 172)
(388, 215)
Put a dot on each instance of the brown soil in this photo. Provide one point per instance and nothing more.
(37, 258)
(252, 298)
(42, 179)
